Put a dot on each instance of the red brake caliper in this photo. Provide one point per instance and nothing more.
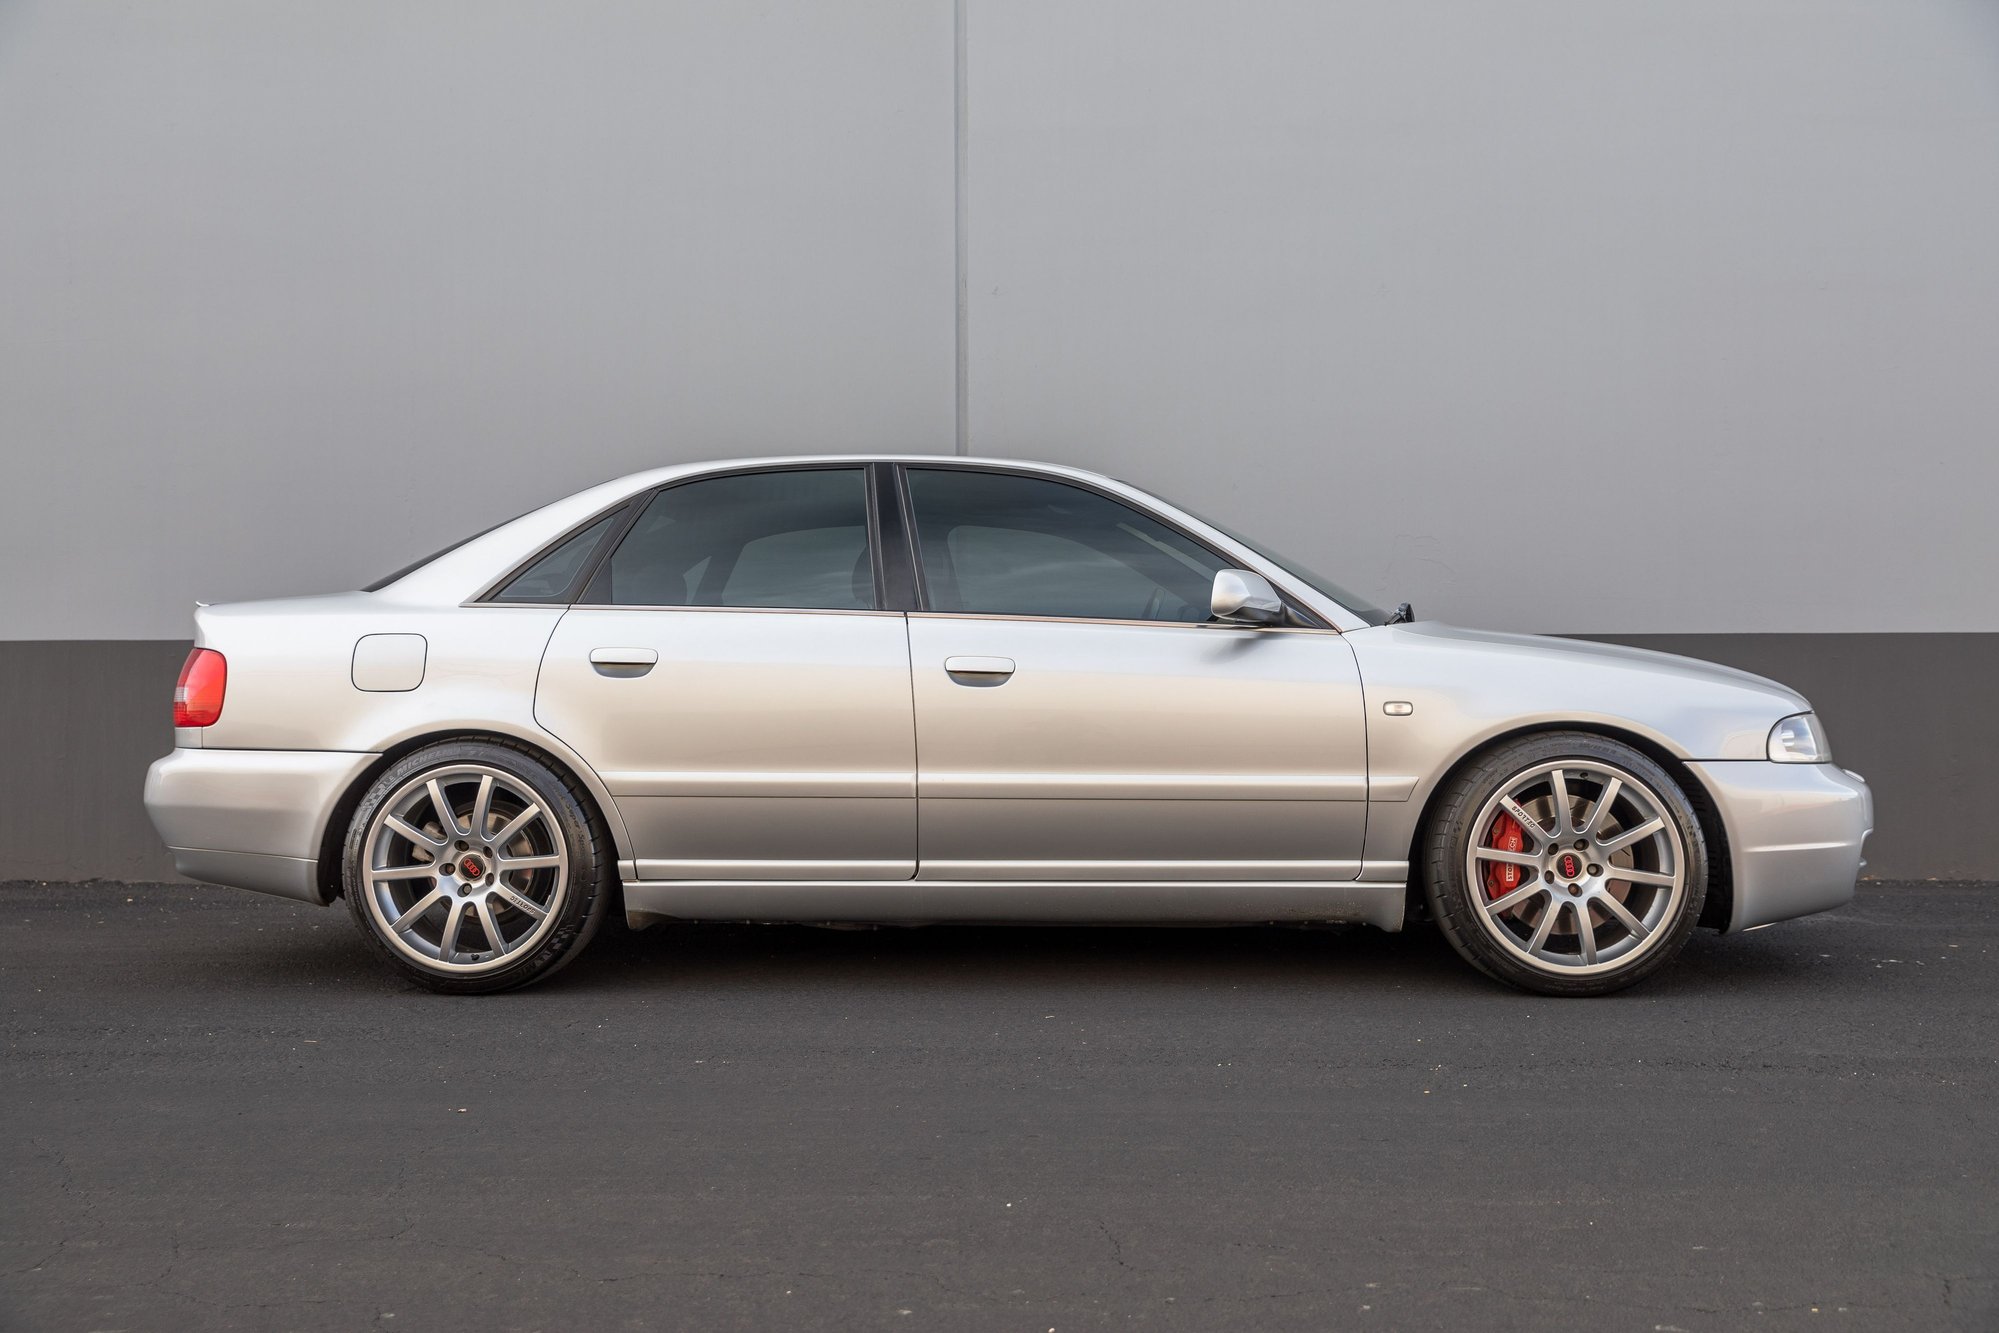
(1506, 836)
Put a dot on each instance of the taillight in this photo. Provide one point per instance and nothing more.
(198, 695)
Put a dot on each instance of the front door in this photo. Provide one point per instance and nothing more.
(1078, 716)
(730, 677)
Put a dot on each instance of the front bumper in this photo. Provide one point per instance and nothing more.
(1795, 836)
(251, 819)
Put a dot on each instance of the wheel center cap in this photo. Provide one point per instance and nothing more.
(1568, 865)
(470, 868)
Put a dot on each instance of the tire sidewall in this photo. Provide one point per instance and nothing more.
(584, 903)
(1453, 900)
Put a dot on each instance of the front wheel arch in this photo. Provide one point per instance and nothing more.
(1719, 907)
(333, 838)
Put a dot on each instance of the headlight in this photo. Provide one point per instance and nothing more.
(1800, 739)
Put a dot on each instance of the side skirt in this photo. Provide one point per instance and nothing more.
(1099, 902)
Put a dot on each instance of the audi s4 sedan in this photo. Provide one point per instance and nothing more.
(918, 689)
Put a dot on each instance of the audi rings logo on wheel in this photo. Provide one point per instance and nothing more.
(1570, 865)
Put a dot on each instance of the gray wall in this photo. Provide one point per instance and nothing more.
(291, 294)
(1554, 314)
(1650, 319)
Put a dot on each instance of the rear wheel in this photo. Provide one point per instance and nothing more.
(1565, 863)
(472, 867)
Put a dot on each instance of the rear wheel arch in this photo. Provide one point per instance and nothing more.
(333, 838)
(1720, 902)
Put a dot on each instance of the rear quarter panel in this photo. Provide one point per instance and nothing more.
(291, 686)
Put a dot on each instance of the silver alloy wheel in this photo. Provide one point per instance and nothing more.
(1598, 874)
(465, 869)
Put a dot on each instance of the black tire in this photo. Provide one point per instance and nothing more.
(1457, 904)
(586, 898)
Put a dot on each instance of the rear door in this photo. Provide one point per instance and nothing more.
(732, 676)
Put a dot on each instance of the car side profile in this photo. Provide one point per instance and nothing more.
(908, 690)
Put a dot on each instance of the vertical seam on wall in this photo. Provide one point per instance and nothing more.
(961, 137)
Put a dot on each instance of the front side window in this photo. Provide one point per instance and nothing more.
(998, 544)
(794, 539)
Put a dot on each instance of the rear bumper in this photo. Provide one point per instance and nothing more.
(251, 819)
(1796, 833)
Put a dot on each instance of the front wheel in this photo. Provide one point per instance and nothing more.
(472, 866)
(1565, 863)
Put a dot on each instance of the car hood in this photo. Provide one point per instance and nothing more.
(1615, 655)
(1476, 683)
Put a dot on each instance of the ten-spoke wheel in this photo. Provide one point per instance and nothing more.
(1568, 864)
(475, 867)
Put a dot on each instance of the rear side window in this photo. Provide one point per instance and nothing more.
(792, 539)
(553, 577)
(995, 543)
(415, 565)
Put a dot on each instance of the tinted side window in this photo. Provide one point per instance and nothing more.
(1009, 545)
(776, 539)
(549, 579)
(415, 565)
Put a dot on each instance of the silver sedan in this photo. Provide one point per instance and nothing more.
(913, 690)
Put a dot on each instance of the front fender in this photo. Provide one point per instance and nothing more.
(1466, 688)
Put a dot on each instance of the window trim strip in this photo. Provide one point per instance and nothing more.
(895, 556)
(1211, 626)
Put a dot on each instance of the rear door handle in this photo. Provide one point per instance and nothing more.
(623, 662)
(979, 670)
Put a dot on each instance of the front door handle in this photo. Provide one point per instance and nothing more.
(979, 670)
(623, 662)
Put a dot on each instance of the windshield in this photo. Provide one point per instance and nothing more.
(1359, 605)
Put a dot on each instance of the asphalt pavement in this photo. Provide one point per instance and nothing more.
(220, 1112)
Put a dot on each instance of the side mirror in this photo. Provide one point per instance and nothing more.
(1243, 598)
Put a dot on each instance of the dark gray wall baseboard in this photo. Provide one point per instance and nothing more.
(89, 716)
(1912, 712)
